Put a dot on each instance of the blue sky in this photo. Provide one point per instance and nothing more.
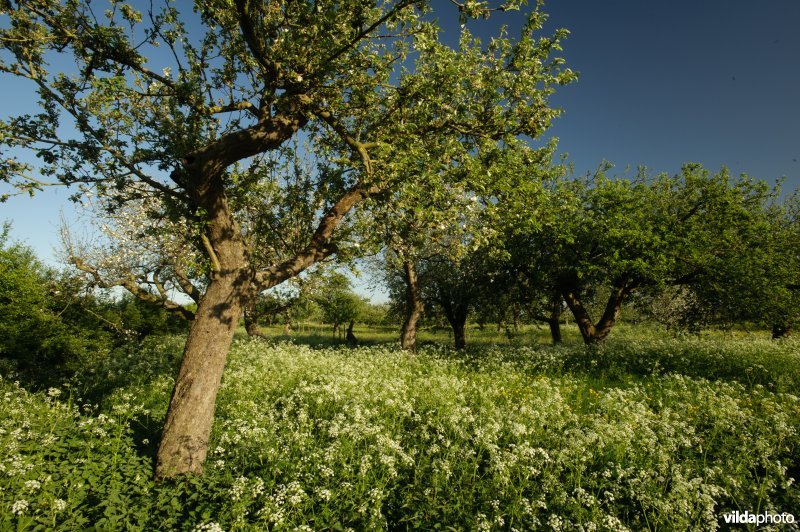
(662, 83)
(668, 82)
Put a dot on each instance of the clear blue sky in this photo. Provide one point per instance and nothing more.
(662, 83)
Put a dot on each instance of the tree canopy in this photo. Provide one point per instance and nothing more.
(614, 237)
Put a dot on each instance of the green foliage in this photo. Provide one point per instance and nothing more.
(375, 314)
(142, 318)
(41, 325)
(148, 95)
(382, 100)
(666, 433)
(722, 238)
(51, 324)
(337, 302)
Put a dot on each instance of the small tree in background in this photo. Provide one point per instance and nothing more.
(339, 305)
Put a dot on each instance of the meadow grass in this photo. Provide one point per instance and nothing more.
(640, 434)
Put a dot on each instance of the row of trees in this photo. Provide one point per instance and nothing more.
(690, 250)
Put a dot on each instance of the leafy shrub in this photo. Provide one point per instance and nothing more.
(39, 327)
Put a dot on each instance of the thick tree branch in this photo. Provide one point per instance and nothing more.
(212, 159)
(320, 246)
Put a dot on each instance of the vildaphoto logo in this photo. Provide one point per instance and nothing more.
(763, 518)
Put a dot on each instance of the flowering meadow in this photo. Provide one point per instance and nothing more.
(635, 435)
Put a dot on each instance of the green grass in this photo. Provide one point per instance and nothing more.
(318, 334)
(640, 434)
(321, 334)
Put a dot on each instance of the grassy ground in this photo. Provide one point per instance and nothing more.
(645, 433)
(318, 334)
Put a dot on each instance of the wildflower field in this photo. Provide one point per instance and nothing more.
(636, 435)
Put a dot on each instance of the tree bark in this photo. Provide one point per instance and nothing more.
(594, 333)
(184, 441)
(414, 307)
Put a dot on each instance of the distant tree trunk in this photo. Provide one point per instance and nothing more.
(593, 333)
(460, 335)
(335, 330)
(554, 319)
(350, 337)
(414, 307)
(555, 330)
(781, 331)
(456, 314)
(251, 319)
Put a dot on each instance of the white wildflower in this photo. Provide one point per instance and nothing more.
(19, 507)
(208, 527)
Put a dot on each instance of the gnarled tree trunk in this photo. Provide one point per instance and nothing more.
(593, 333)
(414, 307)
